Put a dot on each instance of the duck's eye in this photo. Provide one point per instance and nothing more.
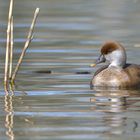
(101, 59)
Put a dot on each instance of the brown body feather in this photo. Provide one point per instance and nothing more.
(127, 77)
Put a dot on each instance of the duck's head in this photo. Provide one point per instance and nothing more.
(112, 52)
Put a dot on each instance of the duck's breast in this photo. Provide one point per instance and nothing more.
(109, 77)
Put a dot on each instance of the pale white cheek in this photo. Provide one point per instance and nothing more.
(108, 57)
(116, 58)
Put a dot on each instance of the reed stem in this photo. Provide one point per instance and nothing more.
(11, 49)
(6, 76)
(27, 43)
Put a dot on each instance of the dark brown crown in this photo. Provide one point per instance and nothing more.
(109, 47)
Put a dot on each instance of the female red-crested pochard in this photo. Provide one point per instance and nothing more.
(118, 74)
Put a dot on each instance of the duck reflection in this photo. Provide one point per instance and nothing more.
(117, 106)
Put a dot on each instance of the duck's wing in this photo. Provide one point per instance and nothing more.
(133, 72)
(132, 69)
(131, 65)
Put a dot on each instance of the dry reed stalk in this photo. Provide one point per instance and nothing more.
(27, 43)
(11, 49)
(6, 76)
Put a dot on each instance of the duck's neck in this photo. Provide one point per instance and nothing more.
(114, 64)
(118, 59)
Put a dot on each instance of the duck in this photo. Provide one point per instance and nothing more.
(117, 73)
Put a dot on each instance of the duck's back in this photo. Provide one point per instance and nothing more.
(117, 77)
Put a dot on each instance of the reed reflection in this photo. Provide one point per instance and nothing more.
(9, 118)
(116, 104)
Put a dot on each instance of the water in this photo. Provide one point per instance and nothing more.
(60, 105)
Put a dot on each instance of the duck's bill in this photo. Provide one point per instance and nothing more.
(93, 65)
(101, 59)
